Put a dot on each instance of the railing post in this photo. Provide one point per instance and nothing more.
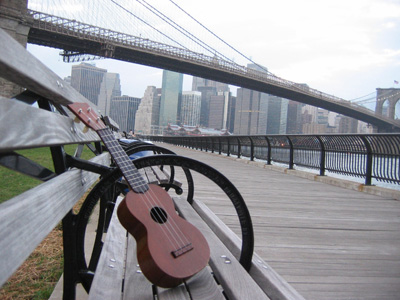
(291, 151)
(368, 167)
(251, 149)
(269, 151)
(239, 148)
(322, 157)
(229, 148)
(219, 146)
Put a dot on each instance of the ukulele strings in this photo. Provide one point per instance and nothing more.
(129, 170)
(179, 238)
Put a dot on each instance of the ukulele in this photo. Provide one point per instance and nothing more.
(169, 249)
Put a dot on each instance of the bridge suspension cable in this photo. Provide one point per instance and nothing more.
(220, 39)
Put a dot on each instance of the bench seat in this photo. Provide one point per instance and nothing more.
(118, 275)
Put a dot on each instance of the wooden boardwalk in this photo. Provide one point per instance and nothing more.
(327, 242)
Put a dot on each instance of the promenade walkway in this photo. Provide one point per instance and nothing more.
(329, 242)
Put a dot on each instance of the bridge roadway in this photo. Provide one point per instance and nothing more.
(328, 242)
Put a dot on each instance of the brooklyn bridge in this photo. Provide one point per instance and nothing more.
(78, 38)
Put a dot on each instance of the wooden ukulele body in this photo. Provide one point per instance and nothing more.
(169, 249)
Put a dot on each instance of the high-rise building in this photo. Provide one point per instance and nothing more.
(250, 112)
(206, 93)
(219, 110)
(208, 89)
(110, 87)
(171, 92)
(277, 114)
(123, 111)
(189, 108)
(148, 113)
(230, 123)
(294, 118)
(87, 80)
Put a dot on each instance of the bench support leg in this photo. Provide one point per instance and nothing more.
(70, 265)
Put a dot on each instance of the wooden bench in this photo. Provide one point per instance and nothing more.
(26, 219)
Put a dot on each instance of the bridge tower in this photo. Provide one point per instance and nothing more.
(14, 20)
(391, 95)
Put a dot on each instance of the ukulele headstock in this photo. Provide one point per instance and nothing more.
(87, 115)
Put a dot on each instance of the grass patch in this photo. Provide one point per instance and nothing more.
(14, 183)
(38, 275)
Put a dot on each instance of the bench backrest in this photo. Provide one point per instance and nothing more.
(27, 219)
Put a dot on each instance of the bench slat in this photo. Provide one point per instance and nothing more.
(162, 178)
(136, 285)
(33, 127)
(235, 281)
(270, 281)
(29, 217)
(150, 175)
(167, 173)
(21, 67)
(203, 286)
(111, 264)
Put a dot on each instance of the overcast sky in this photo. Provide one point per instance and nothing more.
(346, 48)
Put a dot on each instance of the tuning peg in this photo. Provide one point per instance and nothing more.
(77, 120)
(85, 129)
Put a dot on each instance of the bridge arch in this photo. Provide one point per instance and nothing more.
(387, 102)
(397, 110)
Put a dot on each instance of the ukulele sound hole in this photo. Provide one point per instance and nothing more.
(158, 215)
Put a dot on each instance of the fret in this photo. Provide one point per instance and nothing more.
(128, 169)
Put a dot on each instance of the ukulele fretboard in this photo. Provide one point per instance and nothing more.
(128, 169)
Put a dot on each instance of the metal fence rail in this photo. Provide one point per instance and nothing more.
(372, 156)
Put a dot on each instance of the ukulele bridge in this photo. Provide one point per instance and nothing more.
(182, 250)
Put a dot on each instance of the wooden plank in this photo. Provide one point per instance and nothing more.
(168, 174)
(178, 293)
(202, 286)
(19, 66)
(136, 286)
(28, 218)
(162, 178)
(108, 279)
(270, 281)
(235, 281)
(150, 175)
(31, 127)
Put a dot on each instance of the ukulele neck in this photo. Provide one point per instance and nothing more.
(128, 169)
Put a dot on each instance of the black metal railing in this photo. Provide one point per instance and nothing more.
(369, 156)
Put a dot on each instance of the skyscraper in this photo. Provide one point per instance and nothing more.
(87, 80)
(110, 87)
(219, 110)
(148, 113)
(171, 92)
(250, 112)
(208, 89)
(251, 109)
(189, 108)
(294, 125)
(277, 108)
(123, 111)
